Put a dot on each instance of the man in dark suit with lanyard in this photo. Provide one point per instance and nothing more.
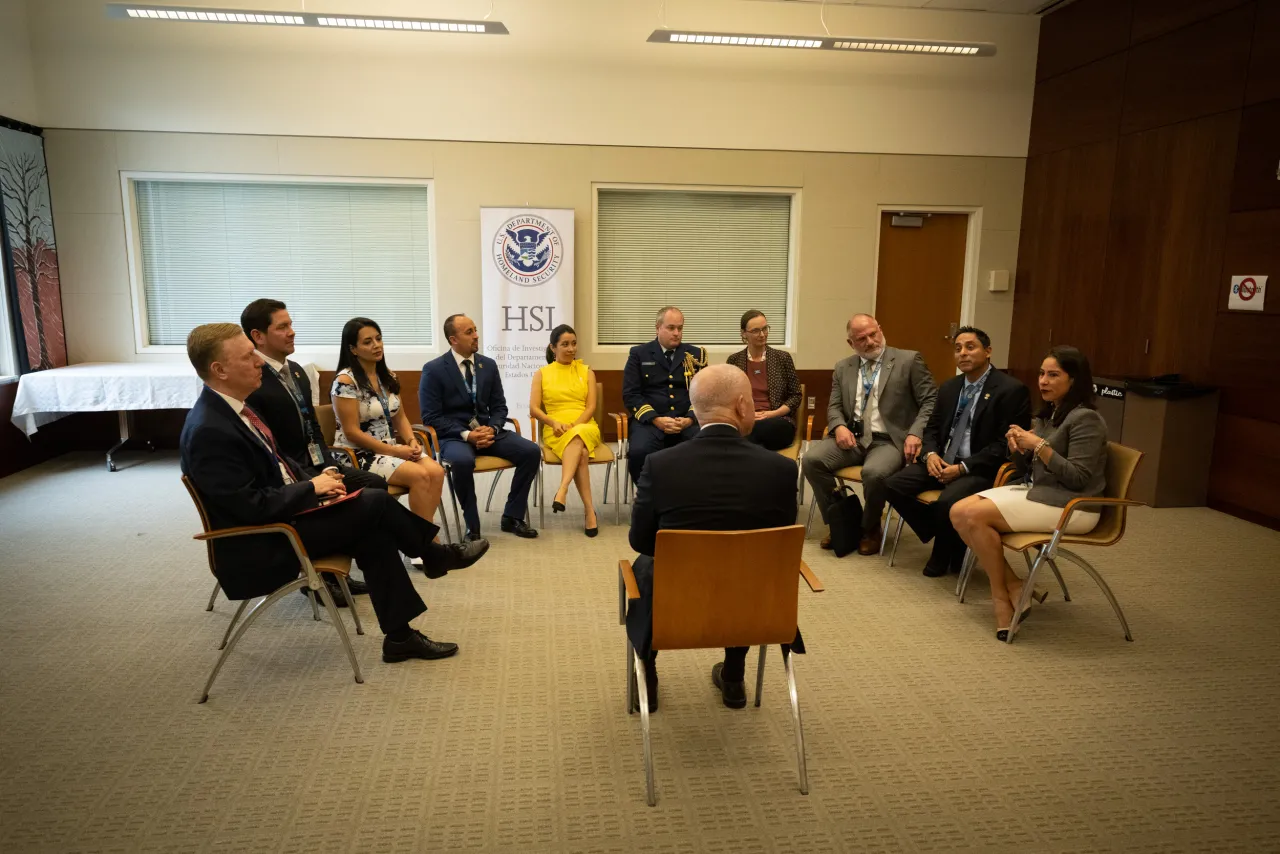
(963, 447)
(460, 396)
(231, 457)
(655, 390)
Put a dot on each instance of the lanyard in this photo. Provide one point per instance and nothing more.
(386, 406)
(967, 396)
(303, 406)
(868, 385)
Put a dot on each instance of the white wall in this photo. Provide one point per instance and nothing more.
(573, 71)
(17, 80)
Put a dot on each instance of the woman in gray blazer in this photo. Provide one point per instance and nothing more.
(1062, 456)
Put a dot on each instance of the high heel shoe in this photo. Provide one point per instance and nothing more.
(557, 507)
(591, 532)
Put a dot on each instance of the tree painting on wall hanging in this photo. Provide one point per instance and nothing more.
(30, 251)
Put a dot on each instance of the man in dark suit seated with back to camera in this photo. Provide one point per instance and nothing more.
(232, 459)
(287, 403)
(719, 481)
(963, 447)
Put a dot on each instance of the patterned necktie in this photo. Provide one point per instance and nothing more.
(265, 431)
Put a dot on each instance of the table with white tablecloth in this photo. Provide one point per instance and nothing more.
(120, 387)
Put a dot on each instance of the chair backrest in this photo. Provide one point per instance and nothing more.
(1122, 464)
(328, 422)
(599, 407)
(204, 517)
(726, 588)
(800, 414)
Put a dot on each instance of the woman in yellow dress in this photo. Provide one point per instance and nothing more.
(563, 400)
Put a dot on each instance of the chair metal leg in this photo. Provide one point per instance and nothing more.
(608, 472)
(315, 609)
(1106, 590)
(264, 604)
(617, 491)
(884, 529)
(896, 539)
(760, 674)
(351, 603)
(213, 597)
(497, 476)
(788, 661)
(631, 678)
(966, 569)
(1028, 588)
(444, 523)
(809, 521)
(643, 691)
(540, 492)
(341, 627)
(453, 497)
(231, 625)
(1053, 564)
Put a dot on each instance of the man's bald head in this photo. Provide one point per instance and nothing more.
(865, 336)
(722, 394)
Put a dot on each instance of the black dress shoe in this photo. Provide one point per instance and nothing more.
(651, 688)
(462, 555)
(471, 536)
(417, 645)
(519, 527)
(933, 570)
(734, 694)
(334, 590)
(357, 587)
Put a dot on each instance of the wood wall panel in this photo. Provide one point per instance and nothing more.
(1195, 71)
(1257, 174)
(1244, 364)
(1246, 469)
(1081, 33)
(1264, 67)
(1077, 108)
(1153, 18)
(1252, 247)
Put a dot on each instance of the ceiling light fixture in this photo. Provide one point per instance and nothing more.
(306, 19)
(937, 48)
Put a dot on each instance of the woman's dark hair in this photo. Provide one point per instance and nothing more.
(555, 339)
(1076, 366)
(748, 317)
(347, 359)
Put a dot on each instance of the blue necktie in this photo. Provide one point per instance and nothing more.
(964, 413)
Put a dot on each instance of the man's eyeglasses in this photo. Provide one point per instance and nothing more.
(763, 330)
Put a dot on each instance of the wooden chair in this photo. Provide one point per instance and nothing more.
(848, 474)
(720, 589)
(1122, 464)
(336, 565)
(484, 464)
(605, 456)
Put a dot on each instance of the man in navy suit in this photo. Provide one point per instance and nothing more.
(655, 390)
(231, 457)
(460, 395)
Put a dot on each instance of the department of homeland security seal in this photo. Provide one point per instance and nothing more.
(527, 250)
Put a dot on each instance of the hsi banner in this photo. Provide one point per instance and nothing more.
(526, 272)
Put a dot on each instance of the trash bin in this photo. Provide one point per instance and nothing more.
(1173, 423)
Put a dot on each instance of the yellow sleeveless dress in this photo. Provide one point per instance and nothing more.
(564, 398)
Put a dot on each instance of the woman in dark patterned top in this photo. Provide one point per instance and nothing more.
(774, 383)
(366, 400)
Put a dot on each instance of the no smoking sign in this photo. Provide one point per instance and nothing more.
(1248, 293)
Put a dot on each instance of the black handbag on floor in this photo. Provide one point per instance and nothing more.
(844, 517)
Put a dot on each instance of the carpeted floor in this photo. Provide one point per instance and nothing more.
(923, 732)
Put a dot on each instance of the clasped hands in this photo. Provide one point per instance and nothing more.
(482, 437)
(328, 484)
(1020, 439)
(939, 469)
(671, 425)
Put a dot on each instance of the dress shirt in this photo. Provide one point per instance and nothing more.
(964, 450)
(872, 422)
(474, 379)
(313, 376)
(237, 406)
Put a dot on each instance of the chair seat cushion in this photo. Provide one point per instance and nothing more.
(929, 496)
(484, 463)
(396, 491)
(853, 473)
(336, 564)
(792, 452)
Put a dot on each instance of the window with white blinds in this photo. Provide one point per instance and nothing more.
(331, 251)
(714, 254)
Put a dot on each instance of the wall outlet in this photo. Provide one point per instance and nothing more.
(813, 401)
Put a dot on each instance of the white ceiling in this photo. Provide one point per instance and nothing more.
(1008, 7)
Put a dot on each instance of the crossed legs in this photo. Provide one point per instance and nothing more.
(980, 524)
(575, 468)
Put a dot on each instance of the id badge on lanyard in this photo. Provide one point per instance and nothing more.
(313, 447)
(868, 386)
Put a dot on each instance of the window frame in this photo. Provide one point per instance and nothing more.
(398, 356)
(793, 253)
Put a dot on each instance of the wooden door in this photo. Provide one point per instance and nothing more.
(919, 286)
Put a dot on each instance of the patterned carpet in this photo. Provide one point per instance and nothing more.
(924, 733)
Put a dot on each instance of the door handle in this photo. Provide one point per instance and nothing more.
(951, 333)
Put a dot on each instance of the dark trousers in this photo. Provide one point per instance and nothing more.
(374, 528)
(352, 478)
(931, 521)
(644, 439)
(461, 456)
(774, 434)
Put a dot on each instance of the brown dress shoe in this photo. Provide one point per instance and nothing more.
(826, 543)
(870, 543)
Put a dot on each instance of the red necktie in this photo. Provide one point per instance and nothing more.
(261, 427)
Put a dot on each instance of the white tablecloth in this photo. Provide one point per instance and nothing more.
(46, 396)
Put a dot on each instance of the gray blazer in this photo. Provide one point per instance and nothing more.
(1078, 465)
(904, 390)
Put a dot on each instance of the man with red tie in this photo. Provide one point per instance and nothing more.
(232, 459)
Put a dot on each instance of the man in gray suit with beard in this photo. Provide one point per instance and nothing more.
(881, 400)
